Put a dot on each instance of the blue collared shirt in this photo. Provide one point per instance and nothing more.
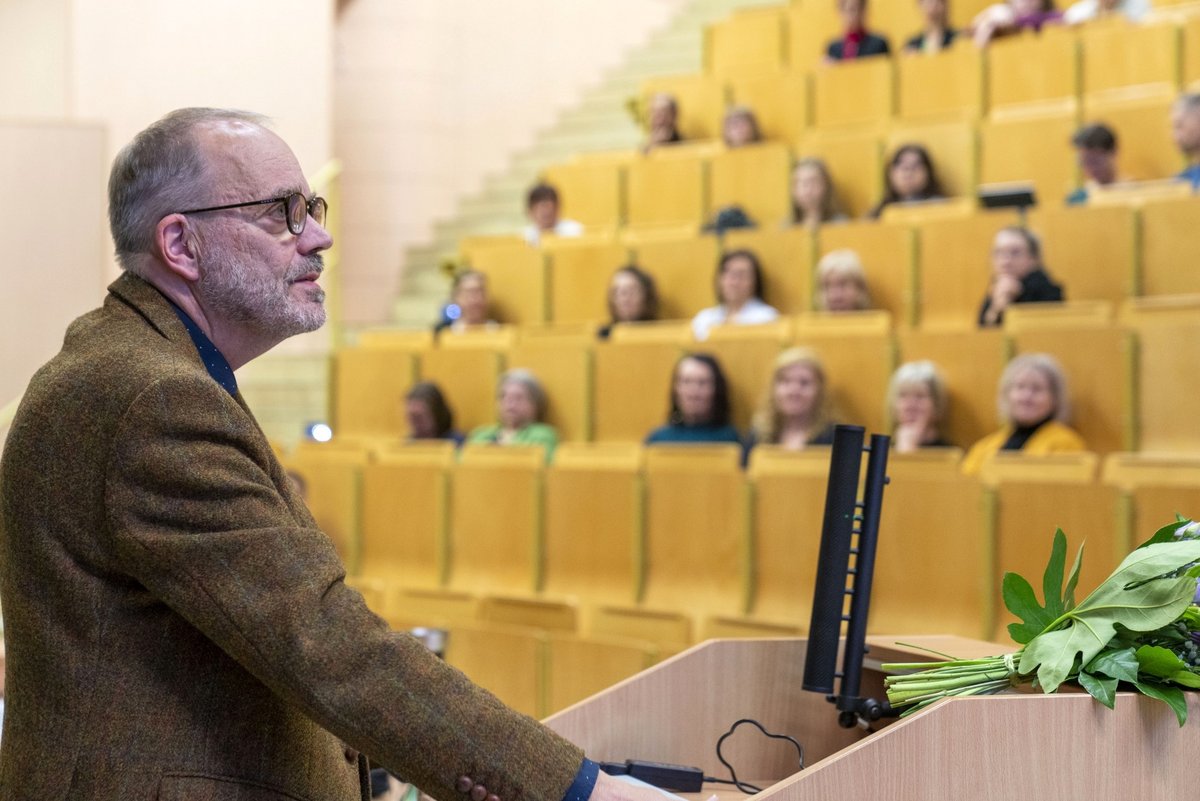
(214, 361)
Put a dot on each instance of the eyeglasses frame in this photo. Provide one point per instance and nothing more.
(308, 208)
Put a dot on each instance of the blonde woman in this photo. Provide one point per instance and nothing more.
(917, 398)
(795, 409)
(842, 282)
(1034, 408)
(814, 200)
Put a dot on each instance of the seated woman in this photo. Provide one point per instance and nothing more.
(856, 42)
(1018, 275)
(632, 298)
(521, 407)
(917, 398)
(842, 282)
(909, 177)
(429, 416)
(662, 122)
(1034, 409)
(937, 34)
(814, 200)
(739, 286)
(794, 412)
(468, 305)
(699, 404)
(740, 127)
(1011, 17)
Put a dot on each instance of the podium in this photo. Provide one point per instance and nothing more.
(1020, 745)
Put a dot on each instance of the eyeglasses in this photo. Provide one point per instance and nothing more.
(299, 209)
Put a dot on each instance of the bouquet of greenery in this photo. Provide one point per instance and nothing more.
(1141, 627)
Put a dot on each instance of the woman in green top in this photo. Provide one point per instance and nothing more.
(521, 405)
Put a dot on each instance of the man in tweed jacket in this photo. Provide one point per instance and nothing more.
(177, 626)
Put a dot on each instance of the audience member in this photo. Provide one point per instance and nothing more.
(1096, 150)
(1088, 10)
(739, 286)
(542, 206)
(662, 122)
(937, 33)
(521, 406)
(842, 282)
(1185, 125)
(699, 404)
(1012, 16)
(740, 127)
(1018, 275)
(909, 177)
(468, 303)
(428, 414)
(917, 400)
(632, 298)
(795, 410)
(856, 41)
(1034, 410)
(814, 200)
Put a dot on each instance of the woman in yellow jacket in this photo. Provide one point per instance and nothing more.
(1034, 407)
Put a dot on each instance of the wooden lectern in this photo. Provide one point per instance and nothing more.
(1023, 746)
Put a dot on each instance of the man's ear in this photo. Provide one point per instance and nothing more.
(176, 247)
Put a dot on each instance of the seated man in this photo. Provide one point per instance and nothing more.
(542, 207)
(1185, 126)
(1018, 275)
(856, 41)
(1096, 149)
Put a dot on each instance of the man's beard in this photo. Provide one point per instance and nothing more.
(249, 295)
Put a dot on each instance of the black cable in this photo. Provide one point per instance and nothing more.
(733, 779)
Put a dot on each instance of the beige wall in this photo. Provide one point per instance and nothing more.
(433, 94)
(34, 44)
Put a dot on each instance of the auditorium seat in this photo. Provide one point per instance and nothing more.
(788, 506)
(333, 479)
(496, 520)
(409, 340)
(531, 613)
(507, 661)
(724, 627)
(674, 332)
(1066, 314)
(780, 102)
(953, 146)
(1124, 58)
(1099, 361)
(467, 378)
(1092, 251)
(1155, 489)
(701, 100)
(787, 260)
(669, 186)
(516, 280)
(368, 388)
(888, 254)
(669, 631)
(1146, 150)
(589, 191)
(405, 515)
(1033, 149)
(746, 360)
(971, 363)
(683, 268)
(593, 523)
(580, 334)
(632, 388)
(751, 41)
(1033, 71)
(925, 545)
(565, 373)
(857, 366)
(1170, 247)
(579, 667)
(955, 268)
(811, 26)
(946, 85)
(1190, 31)
(496, 338)
(855, 162)
(414, 607)
(755, 178)
(854, 93)
(896, 21)
(696, 517)
(578, 278)
(1168, 382)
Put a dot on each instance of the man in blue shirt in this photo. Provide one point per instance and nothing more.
(1185, 126)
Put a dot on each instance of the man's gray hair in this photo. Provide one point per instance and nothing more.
(160, 172)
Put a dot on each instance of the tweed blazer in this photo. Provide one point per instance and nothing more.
(178, 627)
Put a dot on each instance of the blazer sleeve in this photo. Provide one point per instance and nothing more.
(194, 515)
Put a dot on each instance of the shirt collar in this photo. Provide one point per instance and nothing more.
(216, 364)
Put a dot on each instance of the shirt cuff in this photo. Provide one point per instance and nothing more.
(585, 781)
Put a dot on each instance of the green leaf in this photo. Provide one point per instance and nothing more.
(1102, 689)
(1088, 628)
(1157, 661)
(1186, 678)
(1052, 579)
(1165, 534)
(1171, 696)
(1072, 580)
(1119, 664)
(1020, 600)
